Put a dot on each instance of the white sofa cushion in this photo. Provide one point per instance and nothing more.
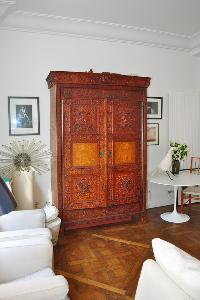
(48, 288)
(24, 234)
(44, 273)
(20, 258)
(183, 268)
(22, 219)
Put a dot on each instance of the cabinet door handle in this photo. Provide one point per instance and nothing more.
(110, 153)
(101, 154)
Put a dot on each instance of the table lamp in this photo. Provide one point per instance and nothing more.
(165, 165)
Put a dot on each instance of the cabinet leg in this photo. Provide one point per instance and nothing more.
(143, 218)
(62, 231)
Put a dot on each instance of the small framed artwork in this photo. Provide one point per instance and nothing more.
(154, 107)
(24, 115)
(152, 134)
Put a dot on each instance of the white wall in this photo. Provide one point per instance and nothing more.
(27, 58)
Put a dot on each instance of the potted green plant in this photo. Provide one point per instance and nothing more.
(179, 152)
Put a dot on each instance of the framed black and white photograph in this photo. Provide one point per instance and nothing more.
(152, 134)
(154, 107)
(24, 115)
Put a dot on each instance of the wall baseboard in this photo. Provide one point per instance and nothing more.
(158, 203)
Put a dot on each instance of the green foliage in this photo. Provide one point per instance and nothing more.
(179, 151)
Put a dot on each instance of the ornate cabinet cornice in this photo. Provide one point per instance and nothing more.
(63, 77)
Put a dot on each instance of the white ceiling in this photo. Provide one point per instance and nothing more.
(171, 24)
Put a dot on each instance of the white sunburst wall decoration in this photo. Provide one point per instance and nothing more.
(25, 155)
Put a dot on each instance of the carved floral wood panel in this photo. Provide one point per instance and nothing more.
(84, 119)
(83, 192)
(126, 188)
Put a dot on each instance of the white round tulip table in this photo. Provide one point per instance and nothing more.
(184, 178)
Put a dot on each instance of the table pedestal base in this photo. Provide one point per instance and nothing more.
(175, 217)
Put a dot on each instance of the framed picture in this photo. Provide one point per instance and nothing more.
(152, 134)
(24, 115)
(154, 107)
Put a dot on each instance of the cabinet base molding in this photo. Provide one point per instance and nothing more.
(97, 222)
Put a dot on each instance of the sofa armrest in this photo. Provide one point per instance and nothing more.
(22, 257)
(52, 288)
(155, 284)
(22, 219)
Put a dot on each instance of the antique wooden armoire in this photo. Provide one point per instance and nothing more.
(98, 140)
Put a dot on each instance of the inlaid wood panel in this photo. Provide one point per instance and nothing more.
(124, 152)
(84, 154)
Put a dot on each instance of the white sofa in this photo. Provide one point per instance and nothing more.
(26, 271)
(175, 275)
(34, 222)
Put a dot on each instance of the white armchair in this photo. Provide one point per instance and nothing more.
(26, 271)
(30, 223)
(174, 274)
(155, 284)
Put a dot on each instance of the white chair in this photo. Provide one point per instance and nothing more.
(30, 223)
(191, 193)
(26, 271)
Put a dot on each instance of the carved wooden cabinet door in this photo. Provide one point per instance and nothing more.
(83, 148)
(124, 147)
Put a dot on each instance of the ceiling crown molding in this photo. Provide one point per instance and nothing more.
(52, 24)
(195, 44)
(4, 5)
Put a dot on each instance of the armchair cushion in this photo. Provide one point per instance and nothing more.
(24, 234)
(181, 267)
(22, 219)
(25, 271)
(31, 219)
(44, 273)
(20, 258)
(47, 288)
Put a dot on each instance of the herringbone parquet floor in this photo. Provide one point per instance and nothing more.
(104, 263)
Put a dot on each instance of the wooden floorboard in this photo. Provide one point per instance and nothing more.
(104, 263)
(121, 241)
(93, 283)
